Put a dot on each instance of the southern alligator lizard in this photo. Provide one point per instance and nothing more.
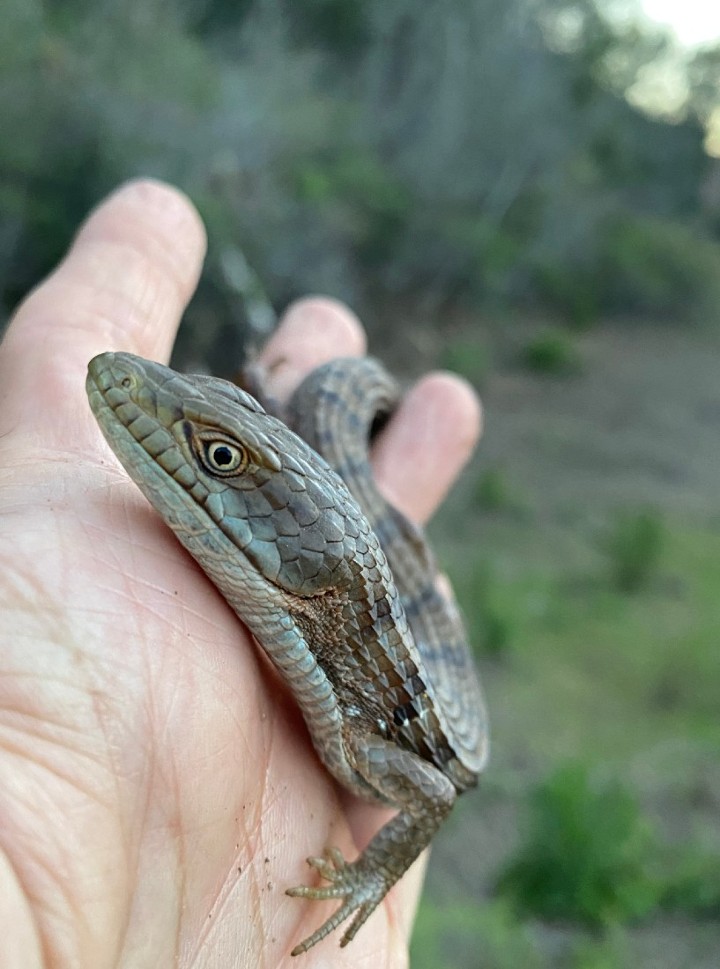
(337, 587)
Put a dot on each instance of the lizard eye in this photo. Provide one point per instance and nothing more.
(222, 457)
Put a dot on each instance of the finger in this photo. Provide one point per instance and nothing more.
(422, 450)
(311, 332)
(123, 285)
(404, 898)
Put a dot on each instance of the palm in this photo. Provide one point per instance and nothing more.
(160, 792)
(194, 783)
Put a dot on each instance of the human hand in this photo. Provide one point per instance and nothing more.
(158, 795)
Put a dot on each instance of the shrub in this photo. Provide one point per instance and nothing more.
(569, 290)
(659, 268)
(471, 255)
(494, 492)
(634, 546)
(695, 886)
(470, 358)
(607, 953)
(362, 194)
(493, 610)
(552, 352)
(586, 855)
(462, 935)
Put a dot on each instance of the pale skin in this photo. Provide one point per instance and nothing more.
(159, 791)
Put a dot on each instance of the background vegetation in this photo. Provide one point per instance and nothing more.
(477, 179)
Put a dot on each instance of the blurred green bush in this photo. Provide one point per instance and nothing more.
(495, 609)
(570, 290)
(605, 953)
(461, 935)
(552, 352)
(342, 147)
(587, 854)
(471, 358)
(694, 885)
(659, 268)
(494, 491)
(634, 546)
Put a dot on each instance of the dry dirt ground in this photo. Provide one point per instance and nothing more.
(640, 423)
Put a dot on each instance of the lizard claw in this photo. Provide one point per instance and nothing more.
(361, 889)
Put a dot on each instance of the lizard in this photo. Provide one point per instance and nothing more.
(336, 586)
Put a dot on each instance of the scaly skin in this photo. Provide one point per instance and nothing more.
(377, 663)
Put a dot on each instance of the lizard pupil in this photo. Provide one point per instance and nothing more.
(224, 457)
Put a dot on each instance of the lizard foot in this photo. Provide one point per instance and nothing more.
(361, 887)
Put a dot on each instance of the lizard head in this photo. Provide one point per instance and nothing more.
(209, 458)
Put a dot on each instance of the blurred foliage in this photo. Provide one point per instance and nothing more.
(345, 148)
(378, 204)
(496, 609)
(703, 74)
(454, 936)
(587, 853)
(659, 268)
(617, 686)
(471, 358)
(634, 546)
(494, 492)
(570, 291)
(603, 953)
(694, 887)
(553, 352)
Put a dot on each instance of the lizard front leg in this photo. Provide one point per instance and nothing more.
(424, 796)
